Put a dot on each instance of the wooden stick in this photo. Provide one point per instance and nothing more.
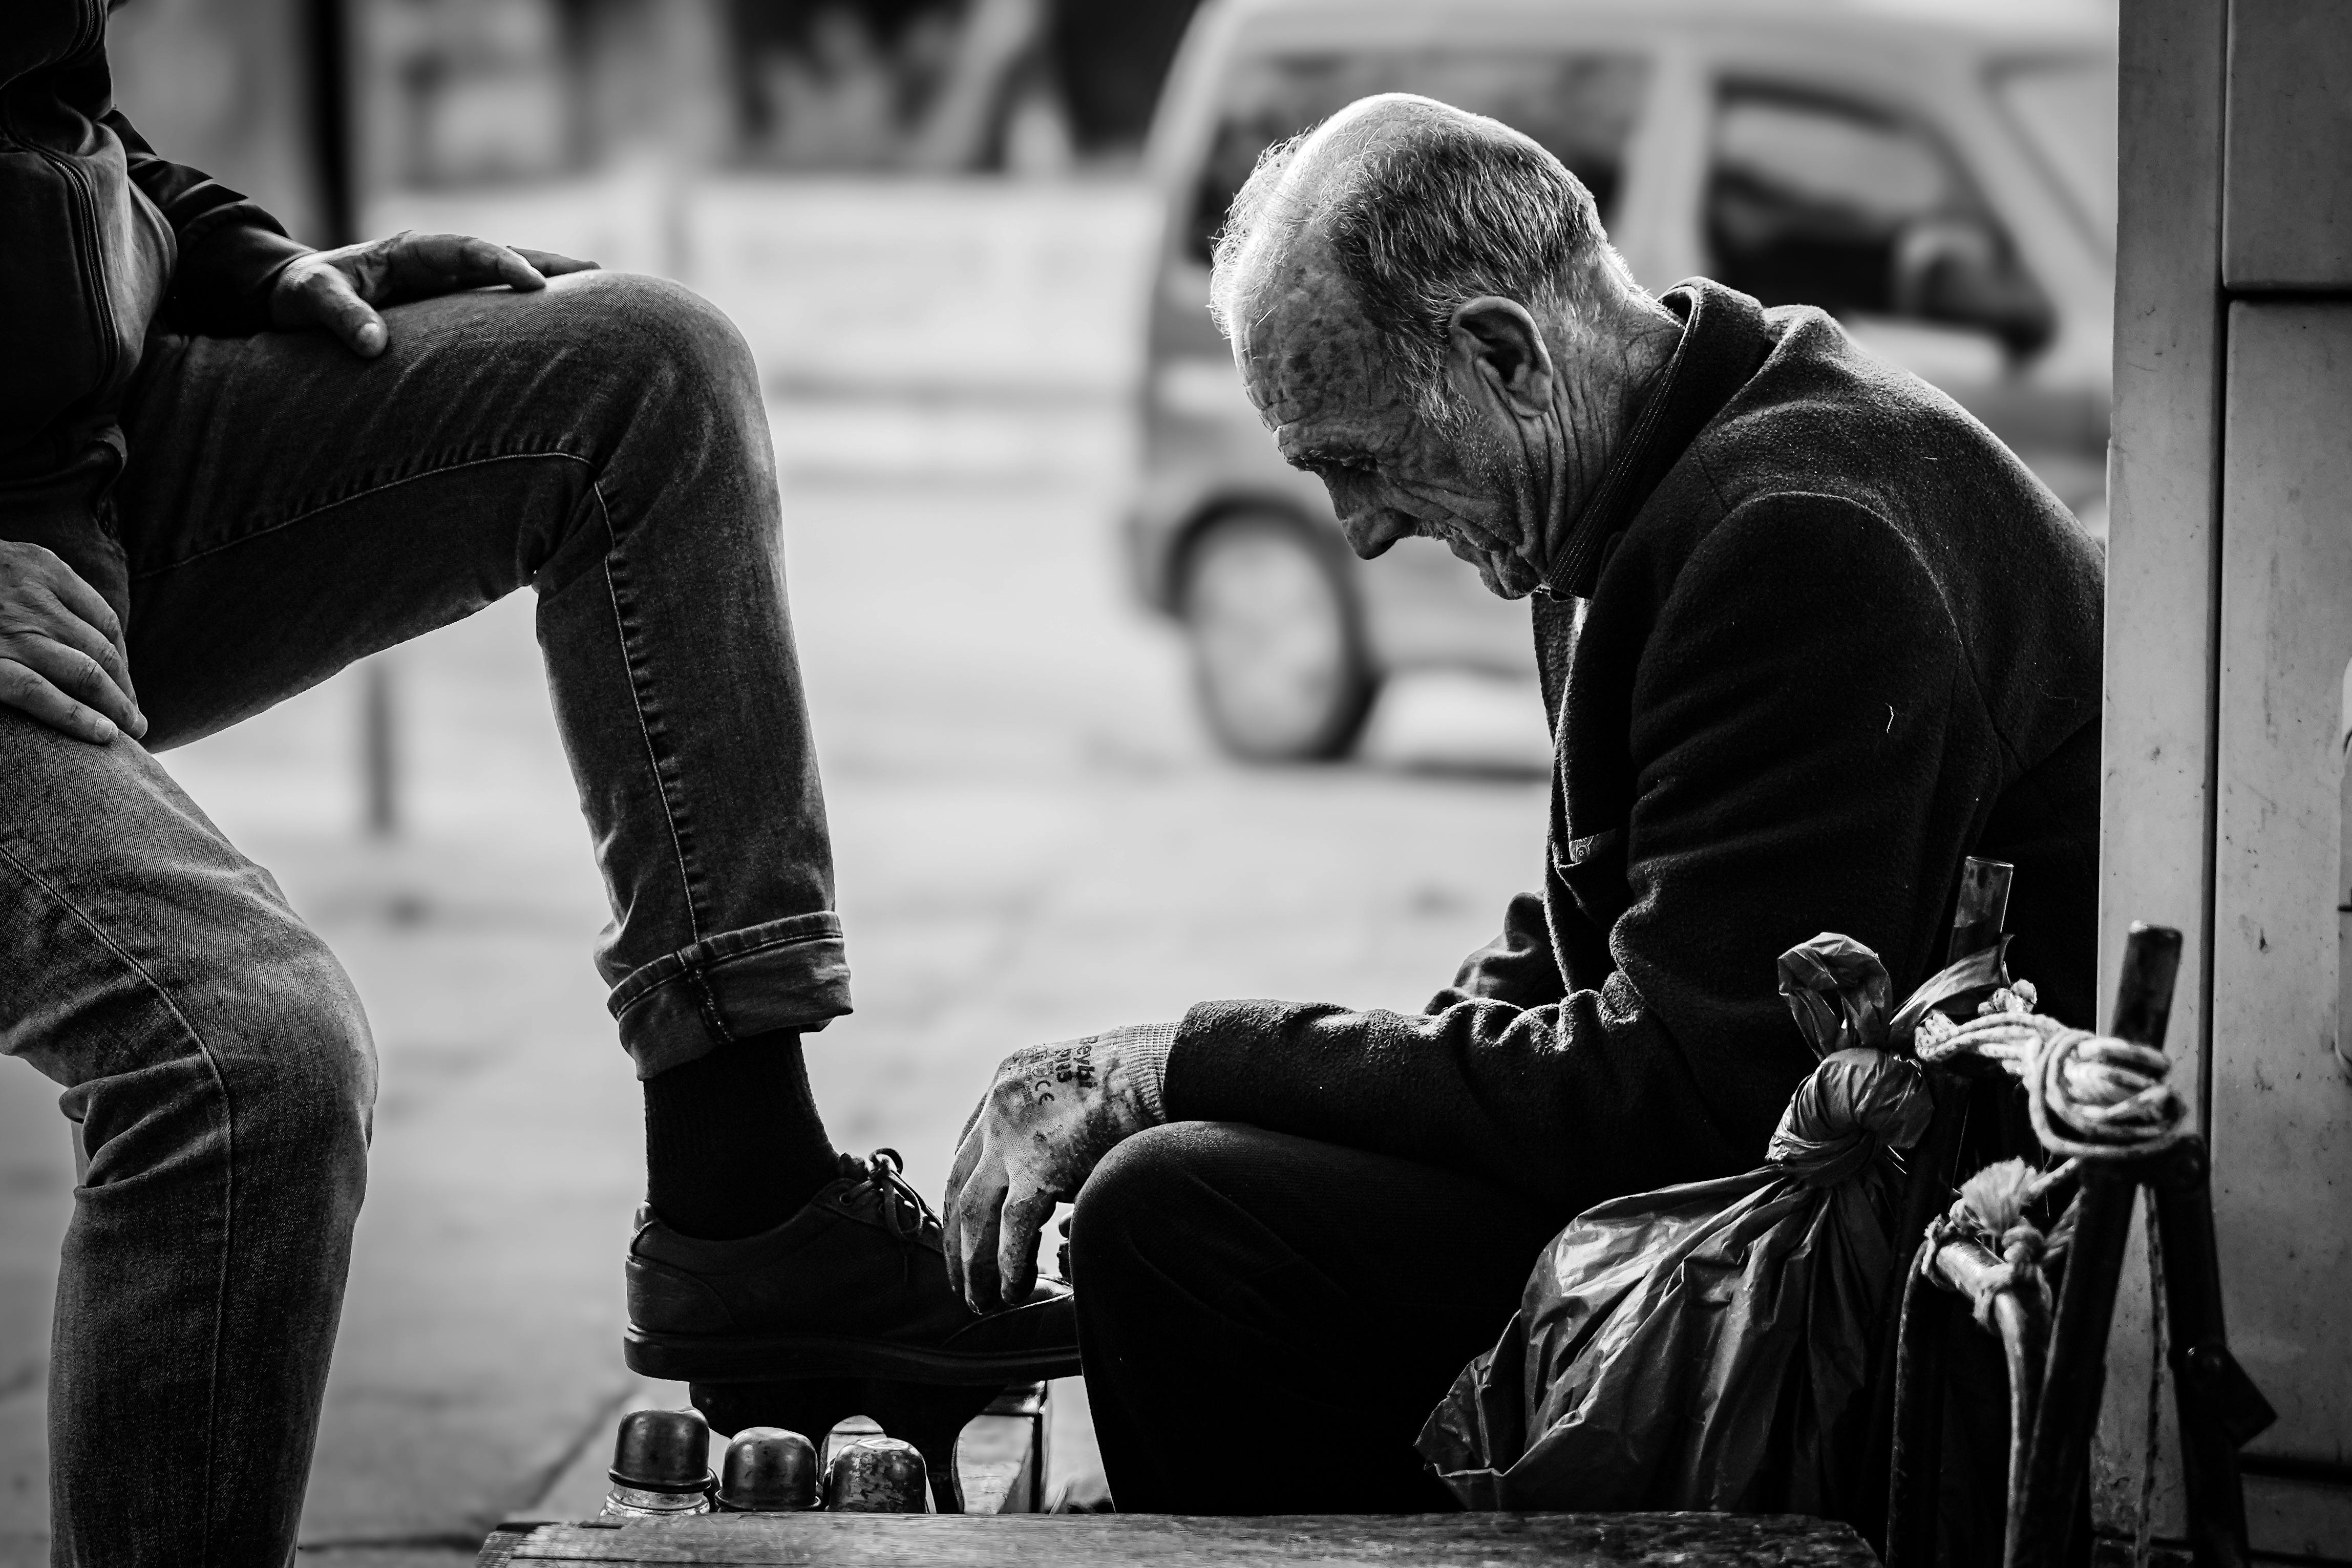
(2086, 1300)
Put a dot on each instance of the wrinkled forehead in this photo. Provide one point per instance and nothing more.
(1308, 348)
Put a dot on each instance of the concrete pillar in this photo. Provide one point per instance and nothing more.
(2230, 636)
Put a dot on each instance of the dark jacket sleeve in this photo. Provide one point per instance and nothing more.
(1795, 723)
(230, 250)
(1518, 966)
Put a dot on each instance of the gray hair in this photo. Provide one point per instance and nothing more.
(1423, 207)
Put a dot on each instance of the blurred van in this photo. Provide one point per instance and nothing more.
(1941, 177)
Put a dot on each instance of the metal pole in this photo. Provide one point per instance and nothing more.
(328, 45)
(1982, 909)
(379, 748)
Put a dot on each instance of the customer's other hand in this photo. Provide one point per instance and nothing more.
(339, 289)
(1051, 1115)
(62, 660)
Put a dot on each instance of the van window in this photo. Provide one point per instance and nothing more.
(1812, 200)
(2067, 108)
(1580, 106)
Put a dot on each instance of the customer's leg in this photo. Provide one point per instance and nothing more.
(1266, 1321)
(217, 1060)
(289, 508)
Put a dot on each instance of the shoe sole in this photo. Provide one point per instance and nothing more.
(688, 1358)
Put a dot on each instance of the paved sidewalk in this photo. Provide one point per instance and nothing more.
(1032, 842)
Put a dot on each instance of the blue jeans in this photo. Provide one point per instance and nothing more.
(287, 508)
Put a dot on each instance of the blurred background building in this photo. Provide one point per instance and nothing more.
(461, 91)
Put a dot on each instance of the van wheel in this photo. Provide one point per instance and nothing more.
(1278, 655)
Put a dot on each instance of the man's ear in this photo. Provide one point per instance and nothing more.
(1496, 343)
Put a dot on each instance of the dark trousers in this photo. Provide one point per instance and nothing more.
(1266, 1321)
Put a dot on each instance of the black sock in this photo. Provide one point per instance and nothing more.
(733, 1140)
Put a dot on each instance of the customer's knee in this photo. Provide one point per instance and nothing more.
(660, 337)
(251, 1065)
(289, 1048)
(323, 1067)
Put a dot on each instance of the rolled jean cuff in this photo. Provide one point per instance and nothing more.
(790, 974)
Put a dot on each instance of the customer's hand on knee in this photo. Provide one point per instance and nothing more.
(339, 289)
(1051, 1115)
(61, 652)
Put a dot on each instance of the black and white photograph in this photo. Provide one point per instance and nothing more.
(1204, 784)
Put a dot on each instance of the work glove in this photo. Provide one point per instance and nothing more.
(1048, 1119)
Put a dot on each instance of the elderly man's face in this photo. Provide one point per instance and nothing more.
(1314, 368)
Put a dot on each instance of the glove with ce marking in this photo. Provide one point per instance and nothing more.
(1048, 1119)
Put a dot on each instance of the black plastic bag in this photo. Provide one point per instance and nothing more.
(1705, 1346)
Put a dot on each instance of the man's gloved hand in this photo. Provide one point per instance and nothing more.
(338, 290)
(61, 653)
(1050, 1117)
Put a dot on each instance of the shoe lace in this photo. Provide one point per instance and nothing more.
(904, 1212)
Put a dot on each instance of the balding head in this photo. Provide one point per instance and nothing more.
(1427, 316)
(1418, 205)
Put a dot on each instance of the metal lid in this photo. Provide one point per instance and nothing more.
(768, 1470)
(877, 1475)
(662, 1451)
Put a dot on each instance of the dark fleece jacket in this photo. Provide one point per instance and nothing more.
(1817, 638)
(97, 235)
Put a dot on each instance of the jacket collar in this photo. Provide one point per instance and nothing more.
(1725, 339)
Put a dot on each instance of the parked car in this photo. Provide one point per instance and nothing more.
(1940, 178)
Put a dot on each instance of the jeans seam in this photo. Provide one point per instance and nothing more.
(695, 974)
(228, 1133)
(362, 494)
(708, 1002)
(637, 707)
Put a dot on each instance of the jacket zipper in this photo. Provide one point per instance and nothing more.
(83, 200)
(84, 203)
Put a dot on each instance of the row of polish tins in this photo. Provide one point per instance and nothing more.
(661, 1467)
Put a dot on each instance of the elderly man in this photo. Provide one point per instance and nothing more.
(1810, 635)
(230, 464)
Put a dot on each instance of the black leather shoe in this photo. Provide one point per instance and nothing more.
(855, 1285)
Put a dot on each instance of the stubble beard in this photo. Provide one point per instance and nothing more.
(1503, 564)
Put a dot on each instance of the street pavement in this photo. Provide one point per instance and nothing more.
(1033, 840)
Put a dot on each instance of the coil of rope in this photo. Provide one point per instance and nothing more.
(2093, 1098)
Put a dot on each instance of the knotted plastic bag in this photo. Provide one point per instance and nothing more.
(1705, 1346)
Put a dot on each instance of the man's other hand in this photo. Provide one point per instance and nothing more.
(62, 658)
(338, 290)
(1051, 1115)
